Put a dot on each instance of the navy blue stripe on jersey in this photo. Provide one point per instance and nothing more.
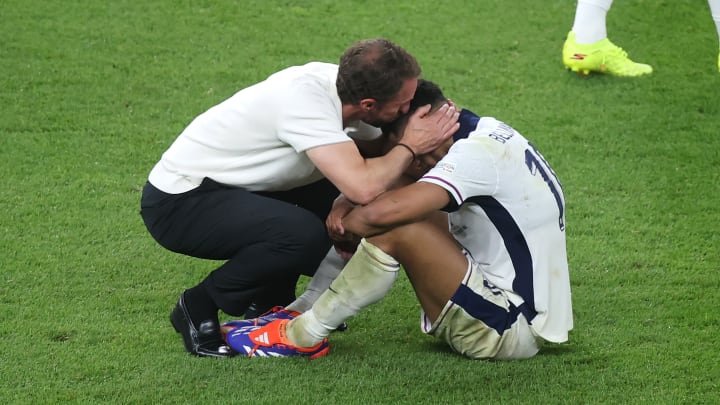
(468, 122)
(489, 313)
(516, 246)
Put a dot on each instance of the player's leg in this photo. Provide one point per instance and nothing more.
(587, 48)
(459, 306)
(590, 23)
(715, 11)
(326, 273)
(366, 278)
(370, 273)
(474, 319)
(432, 259)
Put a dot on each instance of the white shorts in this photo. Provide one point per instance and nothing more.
(480, 322)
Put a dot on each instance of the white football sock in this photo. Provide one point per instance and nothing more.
(327, 272)
(590, 25)
(715, 10)
(366, 279)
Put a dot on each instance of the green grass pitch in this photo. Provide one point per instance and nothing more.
(92, 93)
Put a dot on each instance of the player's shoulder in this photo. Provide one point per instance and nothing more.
(492, 131)
(489, 125)
(475, 126)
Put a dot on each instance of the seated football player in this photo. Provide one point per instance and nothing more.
(481, 236)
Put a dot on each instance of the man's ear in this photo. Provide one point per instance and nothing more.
(367, 104)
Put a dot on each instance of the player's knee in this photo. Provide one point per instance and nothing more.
(393, 241)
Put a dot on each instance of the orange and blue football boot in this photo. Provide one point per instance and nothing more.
(271, 340)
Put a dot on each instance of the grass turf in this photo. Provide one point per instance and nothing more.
(93, 93)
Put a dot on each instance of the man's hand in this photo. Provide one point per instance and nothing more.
(424, 133)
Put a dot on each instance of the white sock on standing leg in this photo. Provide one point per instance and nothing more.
(366, 279)
(715, 11)
(590, 20)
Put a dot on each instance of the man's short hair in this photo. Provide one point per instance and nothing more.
(374, 68)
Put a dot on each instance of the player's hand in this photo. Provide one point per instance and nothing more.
(341, 207)
(425, 133)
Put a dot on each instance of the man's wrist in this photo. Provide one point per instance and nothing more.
(414, 156)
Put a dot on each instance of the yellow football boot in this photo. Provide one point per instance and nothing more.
(601, 57)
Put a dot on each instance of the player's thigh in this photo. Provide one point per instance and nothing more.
(480, 322)
(430, 256)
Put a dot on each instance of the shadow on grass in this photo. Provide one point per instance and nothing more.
(549, 349)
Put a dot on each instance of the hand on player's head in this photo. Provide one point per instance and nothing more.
(425, 161)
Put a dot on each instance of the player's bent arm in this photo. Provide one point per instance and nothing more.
(359, 179)
(396, 207)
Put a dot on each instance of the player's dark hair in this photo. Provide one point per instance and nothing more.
(374, 68)
(427, 93)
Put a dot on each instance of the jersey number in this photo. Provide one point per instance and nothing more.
(537, 164)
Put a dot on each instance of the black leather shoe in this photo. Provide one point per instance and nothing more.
(206, 340)
(253, 311)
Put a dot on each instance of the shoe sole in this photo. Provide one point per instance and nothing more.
(580, 72)
(587, 72)
(178, 329)
(188, 344)
(321, 353)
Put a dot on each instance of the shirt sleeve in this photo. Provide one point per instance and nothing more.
(466, 171)
(310, 117)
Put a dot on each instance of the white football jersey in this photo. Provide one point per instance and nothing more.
(508, 211)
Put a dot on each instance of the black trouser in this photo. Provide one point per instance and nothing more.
(268, 239)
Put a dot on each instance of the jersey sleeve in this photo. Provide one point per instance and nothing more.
(466, 171)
